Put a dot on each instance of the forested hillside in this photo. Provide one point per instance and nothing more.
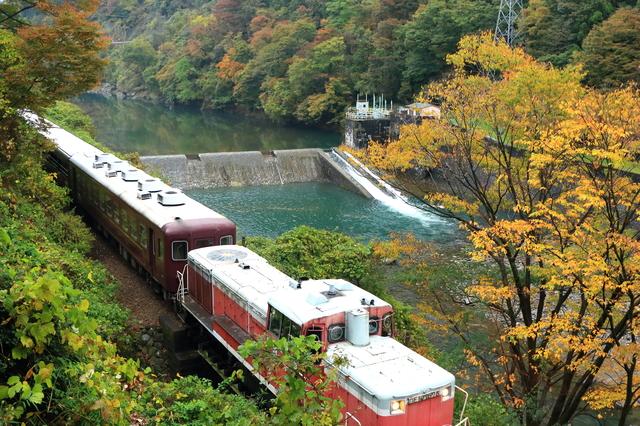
(305, 60)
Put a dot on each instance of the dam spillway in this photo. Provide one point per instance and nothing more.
(252, 168)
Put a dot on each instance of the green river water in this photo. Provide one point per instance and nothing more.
(150, 129)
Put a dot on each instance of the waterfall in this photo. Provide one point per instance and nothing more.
(383, 192)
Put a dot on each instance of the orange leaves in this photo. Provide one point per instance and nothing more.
(228, 68)
(61, 54)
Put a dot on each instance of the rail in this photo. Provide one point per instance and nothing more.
(464, 421)
(348, 416)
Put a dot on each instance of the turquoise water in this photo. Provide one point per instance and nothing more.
(272, 210)
(129, 125)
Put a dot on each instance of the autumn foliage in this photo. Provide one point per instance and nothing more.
(541, 173)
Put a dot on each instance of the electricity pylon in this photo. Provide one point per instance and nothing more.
(506, 23)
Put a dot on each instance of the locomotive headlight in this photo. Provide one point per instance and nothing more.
(397, 406)
(446, 393)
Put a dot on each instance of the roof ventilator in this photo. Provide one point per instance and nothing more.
(171, 198)
(144, 195)
(130, 175)
(115, 166)
(244, 265)
(101, 159)
(150, 185)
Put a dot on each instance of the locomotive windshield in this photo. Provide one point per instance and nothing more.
(281, 326)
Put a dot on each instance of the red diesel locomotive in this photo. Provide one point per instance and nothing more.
(154, 224)
(236, 295)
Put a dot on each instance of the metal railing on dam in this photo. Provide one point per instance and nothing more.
(250, 168)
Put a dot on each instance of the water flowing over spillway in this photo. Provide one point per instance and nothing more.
(385, 193)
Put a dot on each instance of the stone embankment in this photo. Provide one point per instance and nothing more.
(251, 168)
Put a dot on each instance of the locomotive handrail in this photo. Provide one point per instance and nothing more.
(181, 289)
(464, 421)
(348, 416)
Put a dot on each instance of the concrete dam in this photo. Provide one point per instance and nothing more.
(213, 170)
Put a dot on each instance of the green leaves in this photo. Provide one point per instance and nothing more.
(315, 253)
(294, 367)
(5, 239)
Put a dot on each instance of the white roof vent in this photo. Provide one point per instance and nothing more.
(144, 195)
(101, 159)
(227, 255)
(316, 299)
(114, 166)
(130, 175)
(171, 198)
(150, 185)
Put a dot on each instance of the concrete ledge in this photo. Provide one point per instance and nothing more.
(250, 168)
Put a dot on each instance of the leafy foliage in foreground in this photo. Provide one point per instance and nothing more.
(294, 367)
(58, 315)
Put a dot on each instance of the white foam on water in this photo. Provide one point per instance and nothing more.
(390, 196)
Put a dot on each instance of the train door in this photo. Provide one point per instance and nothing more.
(151, 250)
(158, 247)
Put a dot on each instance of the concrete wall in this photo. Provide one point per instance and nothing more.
(251, 168)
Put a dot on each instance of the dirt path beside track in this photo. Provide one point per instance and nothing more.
(133, 293)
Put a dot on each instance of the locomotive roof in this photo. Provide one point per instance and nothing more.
(243, 274)
(387, 369)
(82, 154)
(314, 299)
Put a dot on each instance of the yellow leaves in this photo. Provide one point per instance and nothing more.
(491, 293)
(480, 50)
(397, 246)
(515, 234)
(452, 203)
(84, 305)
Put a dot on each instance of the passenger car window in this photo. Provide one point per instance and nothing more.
(204, 242)
(226, 240)
(179, 250)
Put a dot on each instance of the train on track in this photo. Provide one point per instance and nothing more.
(153, 224)
(189, 252)
(237, 295)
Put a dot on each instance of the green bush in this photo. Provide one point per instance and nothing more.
(485, 410)
(194, 401)
(315, 253)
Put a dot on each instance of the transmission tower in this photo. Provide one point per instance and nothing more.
(506, 23)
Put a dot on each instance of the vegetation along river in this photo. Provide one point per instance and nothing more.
(128, 125)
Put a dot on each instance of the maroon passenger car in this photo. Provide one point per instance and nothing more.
(154, 225)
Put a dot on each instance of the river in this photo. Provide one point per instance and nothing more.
(128, 125)
(151, 129)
